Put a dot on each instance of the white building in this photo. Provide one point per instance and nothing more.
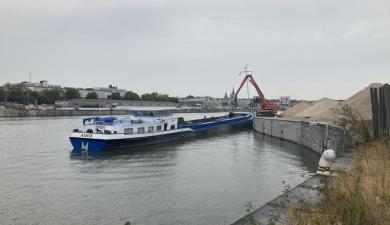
(42, 85)
(102, 92)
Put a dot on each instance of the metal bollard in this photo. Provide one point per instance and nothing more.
(326, 161)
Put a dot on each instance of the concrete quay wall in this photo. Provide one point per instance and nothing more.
(313, 135)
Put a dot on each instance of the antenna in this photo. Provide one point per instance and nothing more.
(246, 72)
(29, 76)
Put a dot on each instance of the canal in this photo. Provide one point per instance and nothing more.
(210, 180)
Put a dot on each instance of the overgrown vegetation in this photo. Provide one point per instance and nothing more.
(351, 120)
(359, 196)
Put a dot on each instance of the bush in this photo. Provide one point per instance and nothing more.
(116, 96)
(351, 120)
(131, 96)
(91, 95)
(71, 93)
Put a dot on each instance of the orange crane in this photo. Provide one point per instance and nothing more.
(264, 103)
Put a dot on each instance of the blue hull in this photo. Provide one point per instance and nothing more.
(99, 145)
(197, 129)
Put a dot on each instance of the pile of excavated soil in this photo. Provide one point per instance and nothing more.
(324, 109)
(362, 101)
(297, 109)
(321, 110)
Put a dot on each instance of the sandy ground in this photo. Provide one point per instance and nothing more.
(323, 110)
(297, 109)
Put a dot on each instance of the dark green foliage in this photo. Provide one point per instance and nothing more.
(71, 93)
(2, 94)
(91, 95)
(154, 96)
(19, 93)
(131, 96)
(116, 96)
(16, 93)
(50, 96)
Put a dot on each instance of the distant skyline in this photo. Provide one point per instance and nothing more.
(300, 48)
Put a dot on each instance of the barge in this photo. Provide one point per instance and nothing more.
(108, 133)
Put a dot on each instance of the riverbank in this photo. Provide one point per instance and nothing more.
(89, 112)
(307, 195)
(359, 195)
(317, 137)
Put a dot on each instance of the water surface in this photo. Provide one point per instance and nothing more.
(202, 181)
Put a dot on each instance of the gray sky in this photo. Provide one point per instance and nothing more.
(302, 48)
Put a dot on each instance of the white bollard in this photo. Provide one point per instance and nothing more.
(326, 161)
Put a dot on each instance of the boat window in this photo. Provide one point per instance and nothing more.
(150, 129)
(141, 130)
(172, 127)
(107, 132)
(159, 128)
(128, 131)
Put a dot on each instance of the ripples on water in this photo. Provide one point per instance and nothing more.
(202, 181)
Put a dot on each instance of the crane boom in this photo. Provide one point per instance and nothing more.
(265, 104)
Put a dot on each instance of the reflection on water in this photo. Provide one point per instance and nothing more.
(202, 181)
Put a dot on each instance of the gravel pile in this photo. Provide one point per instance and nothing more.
(323, 110)
(297, 109)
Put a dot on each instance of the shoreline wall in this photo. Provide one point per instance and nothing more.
(313, 135)
(8, 113)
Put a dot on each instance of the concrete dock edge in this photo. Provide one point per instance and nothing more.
(315, 136)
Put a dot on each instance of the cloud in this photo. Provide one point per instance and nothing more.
(197, 47)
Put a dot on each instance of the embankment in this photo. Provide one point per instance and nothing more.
(313, 135)
(51, 113)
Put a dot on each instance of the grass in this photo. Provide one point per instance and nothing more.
(358, 196)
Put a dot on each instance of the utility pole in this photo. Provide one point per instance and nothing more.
(28, 89)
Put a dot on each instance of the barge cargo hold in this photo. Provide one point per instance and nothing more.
(111, 133)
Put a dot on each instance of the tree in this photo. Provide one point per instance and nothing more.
(17, 93)
(2, 94)
(154, 96)
(131, 96)
(71, 93)
(116, 96)
(174, 99)
(91, 95)
(150, 96)
(50, 96)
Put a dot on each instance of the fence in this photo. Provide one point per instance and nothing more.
(380, 104)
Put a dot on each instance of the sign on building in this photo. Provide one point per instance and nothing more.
(285, 100)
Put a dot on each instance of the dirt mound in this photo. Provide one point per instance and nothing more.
(321, 110)
(324, 109)
(297, 109)
(362, 101)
